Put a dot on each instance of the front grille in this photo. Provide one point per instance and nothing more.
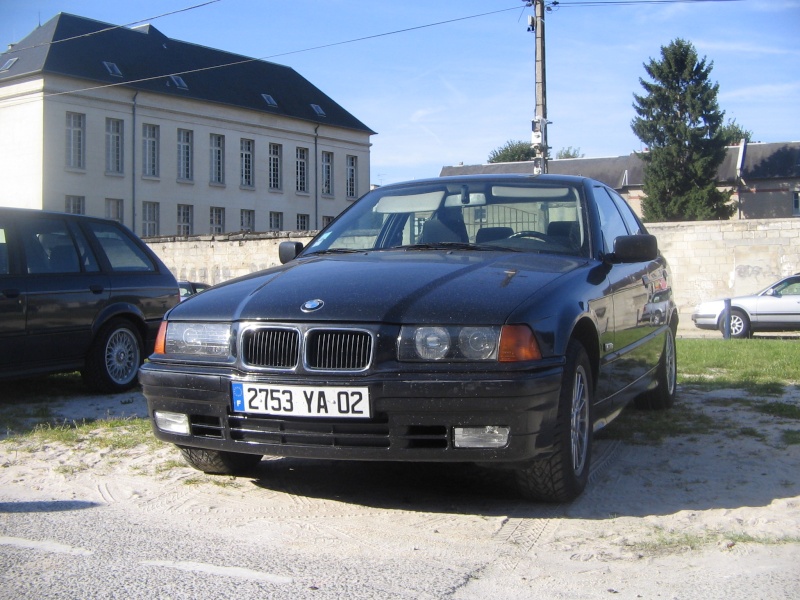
(272, 348)
(338, 350)
(321, 349)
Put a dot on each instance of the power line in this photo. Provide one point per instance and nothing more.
(576, 3)
(112, 28)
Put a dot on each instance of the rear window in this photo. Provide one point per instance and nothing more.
(122, 252)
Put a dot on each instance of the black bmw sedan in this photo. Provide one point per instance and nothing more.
(490, 319)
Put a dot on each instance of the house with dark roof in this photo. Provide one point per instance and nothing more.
(764, 178)
(169, 137)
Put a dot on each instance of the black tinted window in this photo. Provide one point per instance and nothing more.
(634, 225)
(49, 247)
(123, 253)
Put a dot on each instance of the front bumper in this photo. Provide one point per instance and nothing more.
(706, 321)
(413, 415)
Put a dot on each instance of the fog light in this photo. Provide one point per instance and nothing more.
(490, 436)
(172, 422)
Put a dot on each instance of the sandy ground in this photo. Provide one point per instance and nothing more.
(708, 514)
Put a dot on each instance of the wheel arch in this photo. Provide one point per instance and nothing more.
(586, 334)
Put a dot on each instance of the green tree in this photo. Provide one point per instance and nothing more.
(569, 152)
(512, 151)
(733, 133)
(680, 121)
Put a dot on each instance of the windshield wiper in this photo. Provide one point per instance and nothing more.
(335, 251)
(450, 246)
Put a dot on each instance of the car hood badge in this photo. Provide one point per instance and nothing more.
(312, 305)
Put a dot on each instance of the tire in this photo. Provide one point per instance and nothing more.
(662, 396)
(562, 475)
(740, 324)
(115, 356)
(216, 462)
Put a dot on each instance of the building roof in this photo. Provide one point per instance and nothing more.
(78, 47)
(779, 160)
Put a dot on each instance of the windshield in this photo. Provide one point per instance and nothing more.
(525, 216)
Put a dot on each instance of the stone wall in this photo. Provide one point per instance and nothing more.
(710, 259)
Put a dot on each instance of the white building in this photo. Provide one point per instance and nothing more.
(168, 137)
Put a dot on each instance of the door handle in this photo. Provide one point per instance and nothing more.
(11, 293)
(96, 289)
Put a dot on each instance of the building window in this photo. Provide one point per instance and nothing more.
(269, 100)
(150, 150)
(318, 110)
(352, 177)
(185, 219)
(217, 220)
(217, 158)
(327, 173)
(185, 154)
(247, 220)
(112, 69)
(149, 219)
(796, 205)
(301, 170)
(275, 151)
(178, 82)
(302, 222)
(246, 148)
(76, 134)
(326, 220)
(75, 205)
(114, 145)
(8, 64)
(276, 221)
(114, 210)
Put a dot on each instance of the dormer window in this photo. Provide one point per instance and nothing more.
(8, 64)
(318, 109)
(112, 69)
(178, 82)
(269, 100)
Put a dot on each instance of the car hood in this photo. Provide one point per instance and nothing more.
(389, 287)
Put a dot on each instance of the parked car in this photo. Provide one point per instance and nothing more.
(190, 288)
(489, 319)
(78, 293)
(775, 308)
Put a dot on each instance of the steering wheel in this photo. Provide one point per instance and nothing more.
(531, 234)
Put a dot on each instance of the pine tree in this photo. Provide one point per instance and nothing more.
(680, 121)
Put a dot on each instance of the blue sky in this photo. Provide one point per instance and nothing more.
(452, 93)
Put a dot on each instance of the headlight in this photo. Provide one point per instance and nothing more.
(200, 339)
(426, 342)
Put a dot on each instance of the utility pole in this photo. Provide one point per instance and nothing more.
(539, 128)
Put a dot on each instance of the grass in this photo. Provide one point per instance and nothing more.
(663, 541)
(759, 366)
(104, 434)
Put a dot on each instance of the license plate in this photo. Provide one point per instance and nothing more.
(301, 401)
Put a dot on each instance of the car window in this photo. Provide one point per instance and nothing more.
(526, 217)
(790, 287)
(612, 224)
(122, 252)
(4, 269)
(635, 226)
(48, 247)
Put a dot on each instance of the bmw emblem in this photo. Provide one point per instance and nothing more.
(312, 305)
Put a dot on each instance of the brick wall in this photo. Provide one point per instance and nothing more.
(710, 259)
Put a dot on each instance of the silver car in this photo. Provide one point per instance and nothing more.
(776, 308)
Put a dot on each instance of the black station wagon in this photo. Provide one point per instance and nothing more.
(490, 319)
(78, 293)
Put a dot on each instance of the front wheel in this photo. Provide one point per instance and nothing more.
(114, 358)
(217, 462)
(740, 324)
(562, 476)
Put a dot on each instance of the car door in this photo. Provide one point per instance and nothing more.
(12, 299)
(65, 290)
(780, 306)
(629, 352)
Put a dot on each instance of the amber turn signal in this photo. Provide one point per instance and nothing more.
(517, 343)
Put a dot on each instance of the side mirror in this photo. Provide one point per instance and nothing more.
(771, 292)
(635, 248)
(288, 251)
